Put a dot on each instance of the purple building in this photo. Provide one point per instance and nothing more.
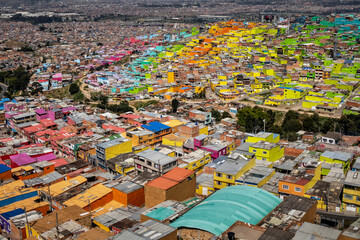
(216, 150)
(41, 114)
(46, 157)
(56, 114)
(21, 160)
(200, 141)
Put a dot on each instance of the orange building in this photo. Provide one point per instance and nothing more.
(300, 181)
(178, 184)
(129, 193)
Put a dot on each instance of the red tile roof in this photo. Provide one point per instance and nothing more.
(47, 122)
(171, 178)
(178, 174)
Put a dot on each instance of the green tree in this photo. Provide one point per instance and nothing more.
(293, 125)
(120, 108)
(74, 88)
(291, 115)
(216, 114)
(328, 125)
(226, 115)
(175, 105)
(276, 129)
(309, 124)
(104, 100)
(256, 117)
(292, 136)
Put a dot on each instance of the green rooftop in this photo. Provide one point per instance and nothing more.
(226, 206)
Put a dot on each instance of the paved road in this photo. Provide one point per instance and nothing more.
(3, 89)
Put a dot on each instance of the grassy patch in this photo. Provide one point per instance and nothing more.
(143, 104)
(78, 97)
(279, 118)
(59, 93)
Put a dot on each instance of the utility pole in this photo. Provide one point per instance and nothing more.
(89, 207)
(27, 223)
(50, 199)
(57, 226)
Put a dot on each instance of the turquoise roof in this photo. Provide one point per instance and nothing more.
(228, 205)
(161, 213)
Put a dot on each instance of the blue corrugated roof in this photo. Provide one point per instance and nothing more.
(8, 215)
(155, 126)
(295, 89)
(4, 168)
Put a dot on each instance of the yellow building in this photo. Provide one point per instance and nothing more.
(173, 140)
(337, 157)
(140, 136)
(351, 192)
(205, 184)
(195, 160)
(174, 124)
(258, 176)
(264, 136)
(203, 129)
(110, 149)
(227, 173)
(267, 151)
(125, 166)
(171, 77)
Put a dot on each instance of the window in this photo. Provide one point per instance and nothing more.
(194, 165)
(218, 174)
(202, 161)
(149, 163)
(138, 166)
(297, 189)
(286, 187)
(348, 196)
(156, 165)
(349, 187)
(228, 184)
(254, 150)
(218, 182)
(228, 176)
(264, 152)
(358, 198)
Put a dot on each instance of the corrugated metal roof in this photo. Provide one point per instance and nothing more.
(91, 195)
(342, 156)
(309, 231)
(127, 187)
(226, 206)
(231, 167)
(155, 126)
(126, 235)
(156, 157)
(112, 217)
